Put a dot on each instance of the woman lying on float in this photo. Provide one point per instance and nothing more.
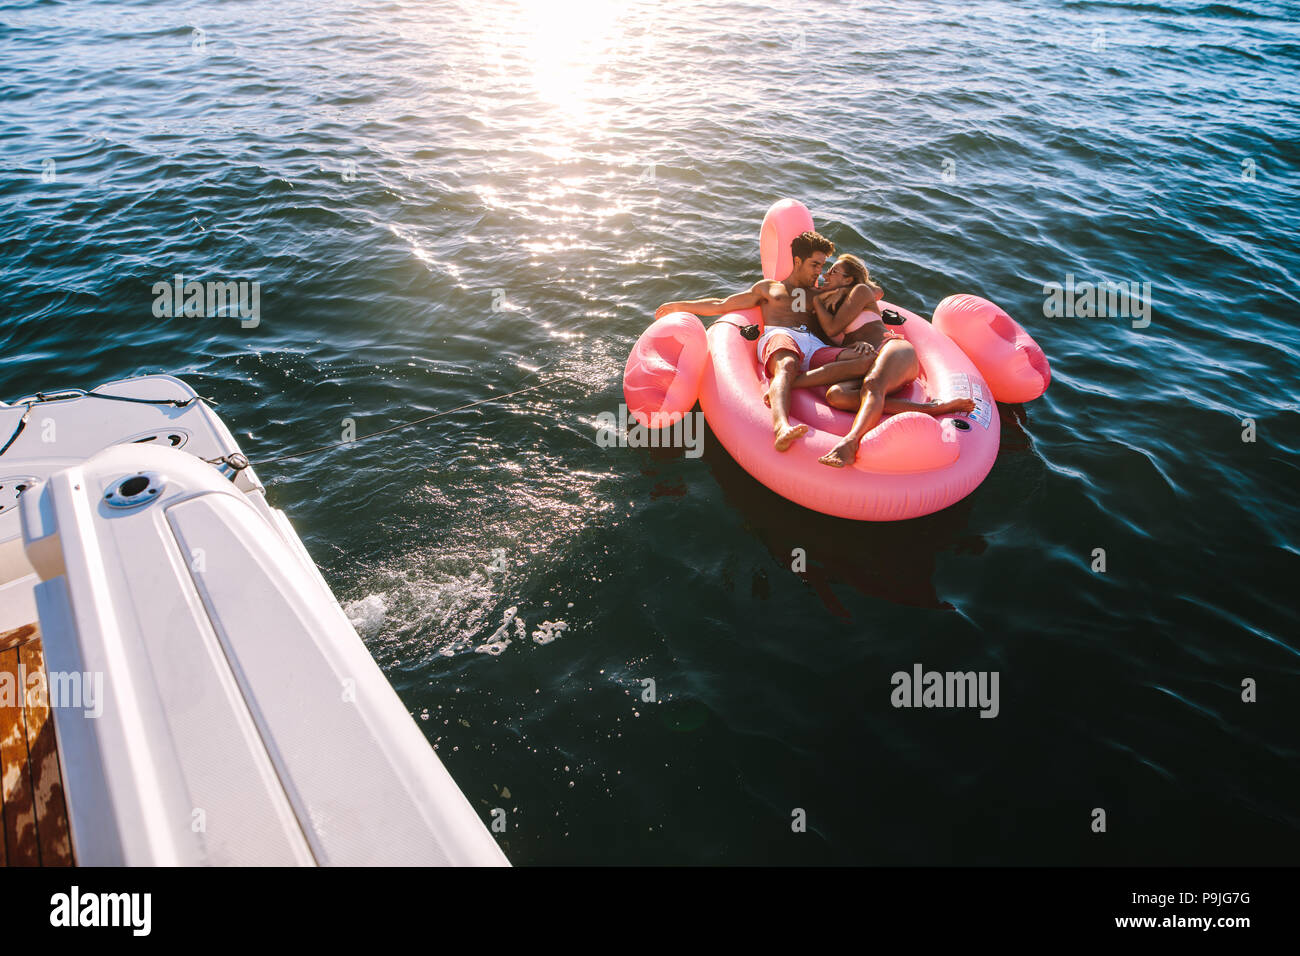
(849, 314)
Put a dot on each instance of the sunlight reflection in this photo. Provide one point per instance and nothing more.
(563, 43)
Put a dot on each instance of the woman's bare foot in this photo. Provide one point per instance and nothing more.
(785, 437)
(960, 406)
(842, 455)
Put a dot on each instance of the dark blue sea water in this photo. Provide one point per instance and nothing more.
(444, 201)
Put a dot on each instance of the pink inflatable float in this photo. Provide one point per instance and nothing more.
(910, 464)
(662, 377)
(1010, 361)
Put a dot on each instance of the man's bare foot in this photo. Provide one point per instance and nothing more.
(961, 406)
(842, 455)
(785, 437)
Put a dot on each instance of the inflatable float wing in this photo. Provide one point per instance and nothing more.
(1009, 360)
(662, 377)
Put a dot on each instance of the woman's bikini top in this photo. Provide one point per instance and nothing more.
(865, 316)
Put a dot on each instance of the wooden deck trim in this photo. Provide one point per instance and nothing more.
(33, 813)
(19, 635)
(43, 758)
(21, 845)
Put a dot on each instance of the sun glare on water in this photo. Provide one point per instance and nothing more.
(558, 47)
(562, 75)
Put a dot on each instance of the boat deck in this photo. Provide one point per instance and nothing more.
(33, 814)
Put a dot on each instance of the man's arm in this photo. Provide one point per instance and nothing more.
(757, 295)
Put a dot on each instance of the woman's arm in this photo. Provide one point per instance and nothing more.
(860, 297)
(824, 317)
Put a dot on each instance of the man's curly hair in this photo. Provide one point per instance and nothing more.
(806, 243)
